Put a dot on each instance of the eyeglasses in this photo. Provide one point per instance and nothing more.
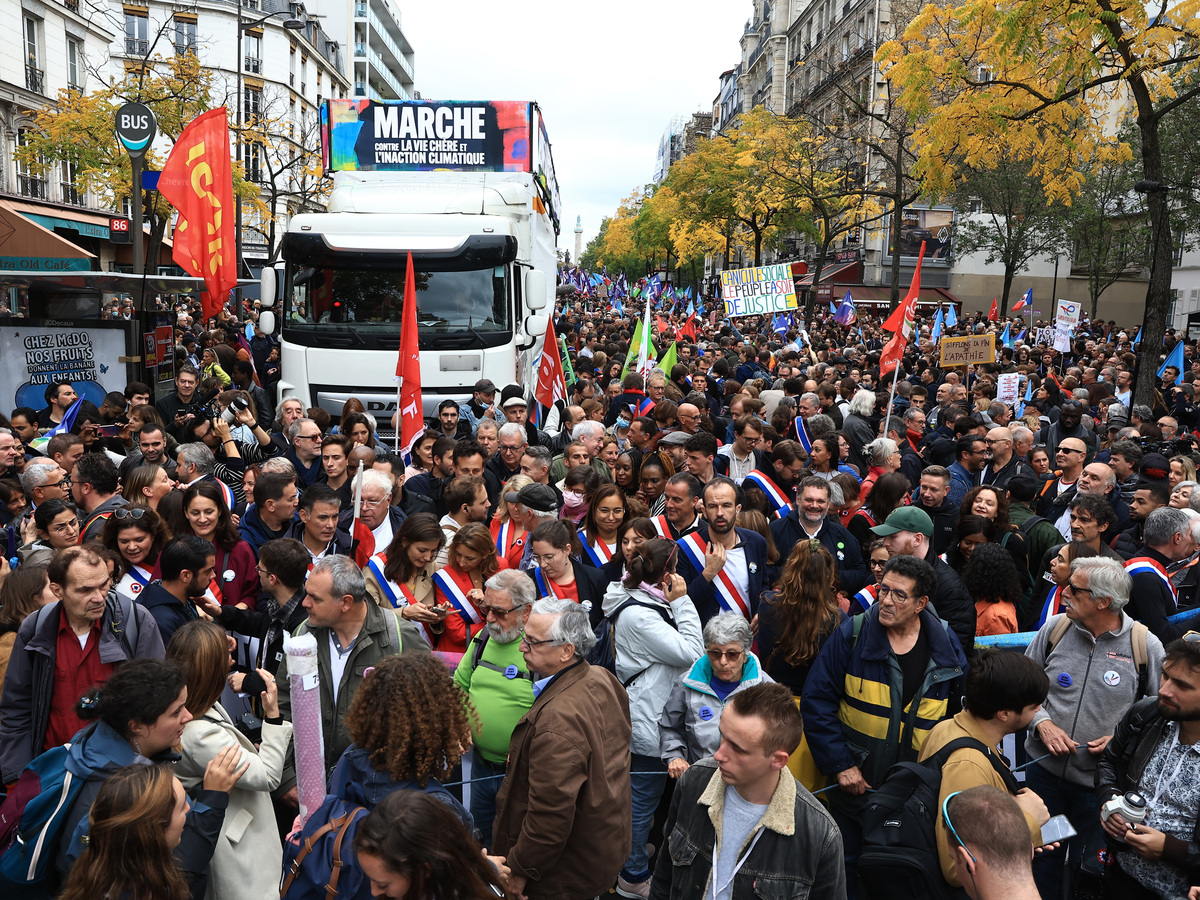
(129, 512)
(950, 825)
(308, 437)
(731, 655)
(1076, 589)
(991, 442)
(883, 592)
(65, 527)
(528, 643)
(1070, 450)
(546, 558)
(496, 611)
(62, 483)
(1192, 637)
(366, 502)
(878, 563)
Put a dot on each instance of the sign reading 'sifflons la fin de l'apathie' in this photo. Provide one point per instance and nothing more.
(758, 291)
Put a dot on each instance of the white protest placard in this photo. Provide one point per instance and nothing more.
(1067, 312)
(1008, 388)
(1062, 338)
(759, 291)
(35, 355)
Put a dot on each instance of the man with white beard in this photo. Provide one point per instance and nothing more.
(494, 676)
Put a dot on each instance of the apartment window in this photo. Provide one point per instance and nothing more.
(74, 65)
(252, 161)
(185, 36)
(304, 76)
(252, 104)
(35, 79)
(137, 31)
(253, 49)
(31, 177)
(70, 193)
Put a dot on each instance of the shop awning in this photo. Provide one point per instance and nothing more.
(927, 296)
(839, 273)
(27, 246)
(87, 222)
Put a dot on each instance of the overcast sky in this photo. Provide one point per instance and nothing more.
(609, 78)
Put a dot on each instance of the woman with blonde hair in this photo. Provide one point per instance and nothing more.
(505, 530)
(472, 560)
(247, 861)
(756, 520)
(146, 485)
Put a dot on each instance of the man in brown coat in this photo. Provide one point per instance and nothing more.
(564, 816)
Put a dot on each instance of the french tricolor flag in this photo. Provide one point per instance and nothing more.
(1026, 299)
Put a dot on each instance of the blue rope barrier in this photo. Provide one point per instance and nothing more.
(1022, 639)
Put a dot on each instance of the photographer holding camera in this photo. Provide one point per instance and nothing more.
(231, 457)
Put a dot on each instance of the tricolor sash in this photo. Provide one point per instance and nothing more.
(645, 406)
(866, 597)
(505, 533)
(802, 435)
(1053, 605)
(662, 525)
(226, 492)
(729, 596)
(598, 551)
(1142, 564)
(775, 494)
(544, 585)
(446, 581)
(134, 582)
(394, 593)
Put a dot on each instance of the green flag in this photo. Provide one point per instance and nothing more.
(669, 359)
(642, 333)
(568, 369)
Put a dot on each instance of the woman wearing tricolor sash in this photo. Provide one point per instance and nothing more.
(1058, 576)
(459, 585)
(235, 578)
(401, 576)
(602, 525)
(560, 574)
(504, 528)
(137, 536)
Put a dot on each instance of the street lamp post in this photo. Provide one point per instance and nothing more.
(291, 23)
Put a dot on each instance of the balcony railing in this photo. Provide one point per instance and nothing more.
(35, 79)
(360, 48)
(72, 5)
(253, 65)
(360, 10)
(71, 194)
(33, 186)
(136, 46)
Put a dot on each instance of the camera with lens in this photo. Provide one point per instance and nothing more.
(236, 406)
(1180, 446)
(1131, 805)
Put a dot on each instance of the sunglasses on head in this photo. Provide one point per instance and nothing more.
(129, 512)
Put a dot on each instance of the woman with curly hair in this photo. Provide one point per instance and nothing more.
(459, 585)
(971, 533)
(247, 860)
(137, 535)
(990, 576)
(135, 824)
(795, 620)
(505, 529)
(992, 503)
(410, 847)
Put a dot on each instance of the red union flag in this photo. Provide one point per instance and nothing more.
(551, 378)
(198, 181)
(902, 321)
(408, 366)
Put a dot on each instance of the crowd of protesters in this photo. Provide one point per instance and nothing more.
(787, 554)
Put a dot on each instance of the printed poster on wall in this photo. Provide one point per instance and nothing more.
(759, 291)
(35, 355)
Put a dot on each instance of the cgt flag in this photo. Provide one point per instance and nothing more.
(408, 368)
(198, 181)
(902, 321)
(994, 314)
(551, 377)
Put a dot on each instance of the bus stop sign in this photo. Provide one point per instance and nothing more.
(136, 127)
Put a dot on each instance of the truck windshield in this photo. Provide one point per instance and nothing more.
(371, 301)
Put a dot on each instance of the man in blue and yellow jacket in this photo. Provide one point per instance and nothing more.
(877, 688)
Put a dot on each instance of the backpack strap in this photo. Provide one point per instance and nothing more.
(1141, 656)
(1031, 523)
(856, 629)
(612, 624)
(1056, 634)
(477, 659)
(939, 759)
(342, 824)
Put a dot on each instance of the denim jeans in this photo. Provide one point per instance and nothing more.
(646, 790)
(484, 787)
(1080, 805)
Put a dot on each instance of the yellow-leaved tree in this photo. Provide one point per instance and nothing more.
(1049, 82)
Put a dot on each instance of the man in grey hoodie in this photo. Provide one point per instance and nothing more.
(1099, 662)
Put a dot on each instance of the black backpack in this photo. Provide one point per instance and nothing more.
(899, 858)
(604, 654)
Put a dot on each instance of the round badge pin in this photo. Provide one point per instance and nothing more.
(1111, 678)
(510, 672)
(228, 575)
(1064, 680)
(706, 713)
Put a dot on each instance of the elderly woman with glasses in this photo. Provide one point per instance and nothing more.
(688, 729)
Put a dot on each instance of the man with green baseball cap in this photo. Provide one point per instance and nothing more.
(908, 531)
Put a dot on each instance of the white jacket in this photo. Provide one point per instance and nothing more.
(653, 654)
(248, 860)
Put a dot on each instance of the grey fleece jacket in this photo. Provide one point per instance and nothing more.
(1093, 682)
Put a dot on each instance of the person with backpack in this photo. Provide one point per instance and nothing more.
(873, 676)
(656, 637)
(1003, 692)
(64, 649)
(1085, 703)
(499, 687)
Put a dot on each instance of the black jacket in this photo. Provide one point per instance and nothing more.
(591, 583)
(945, 520)
(951, 602)
(853, 571)
(1121, 766)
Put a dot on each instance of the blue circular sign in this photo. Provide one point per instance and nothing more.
(1064, 680)
(511, 672)
(706, 713)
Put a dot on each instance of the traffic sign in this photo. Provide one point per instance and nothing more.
(118, 230)
(136, 127)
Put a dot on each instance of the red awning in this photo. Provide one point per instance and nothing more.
(876, 294)
(837, 273)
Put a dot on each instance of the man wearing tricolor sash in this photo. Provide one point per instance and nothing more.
(682, 517)
(1168, 539)
(725, 567)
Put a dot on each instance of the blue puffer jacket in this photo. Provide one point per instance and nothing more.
(689, 727)
(356, 781)
(852, 699)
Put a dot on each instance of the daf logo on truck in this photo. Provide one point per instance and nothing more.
(469, 189)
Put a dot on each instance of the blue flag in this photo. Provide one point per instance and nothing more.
(832, 307)
(1006, 338)
(845, 314)
(780, 326)
(935, 333)
(691, 307)
(1174, 359)
(1028, 389)
(1137, 338)
(951, 317)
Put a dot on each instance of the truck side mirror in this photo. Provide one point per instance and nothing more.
(266, 322)
(266, 286)
(535, 289)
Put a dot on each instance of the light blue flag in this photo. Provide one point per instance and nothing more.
(1006, 338)
(951, 317)
(1175, 359)
(832, 307)
(1028, 389)
(780, 326)
(935, 333)
(1138, 338)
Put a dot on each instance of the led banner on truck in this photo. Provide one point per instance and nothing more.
(423, 136)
